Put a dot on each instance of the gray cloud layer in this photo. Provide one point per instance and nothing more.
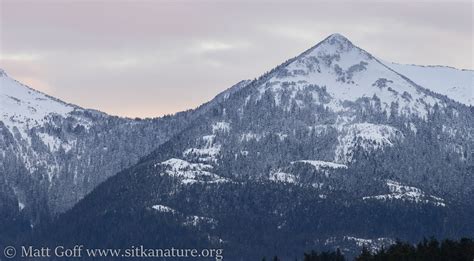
(149, 58)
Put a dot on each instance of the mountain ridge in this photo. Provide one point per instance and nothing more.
(275, 158)
(52, 153)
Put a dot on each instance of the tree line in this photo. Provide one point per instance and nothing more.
(426, 250)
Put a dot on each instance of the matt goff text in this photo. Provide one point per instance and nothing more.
(79, 251)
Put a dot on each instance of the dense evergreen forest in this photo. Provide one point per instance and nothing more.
(426, 250)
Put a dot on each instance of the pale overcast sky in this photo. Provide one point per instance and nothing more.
(149, 58)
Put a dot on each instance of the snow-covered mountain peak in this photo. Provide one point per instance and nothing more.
(335, 72)
(23, 107)
(338, 41)
(337, 37)
(336, 45)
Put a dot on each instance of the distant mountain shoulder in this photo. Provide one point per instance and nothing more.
(455, 83)
(53, 153)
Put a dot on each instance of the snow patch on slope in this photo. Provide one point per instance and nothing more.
(191, 220)
(163, 208)
(190, 173)
(373, 244)
(198, 220)
(407, 193)
(282, 177)
(54, 143)
(367, 135)
(220, 127)
(208, 149)
(322, 165)
(208, 154)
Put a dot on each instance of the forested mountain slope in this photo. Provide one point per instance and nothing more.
(331, 148)
(53, 153)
